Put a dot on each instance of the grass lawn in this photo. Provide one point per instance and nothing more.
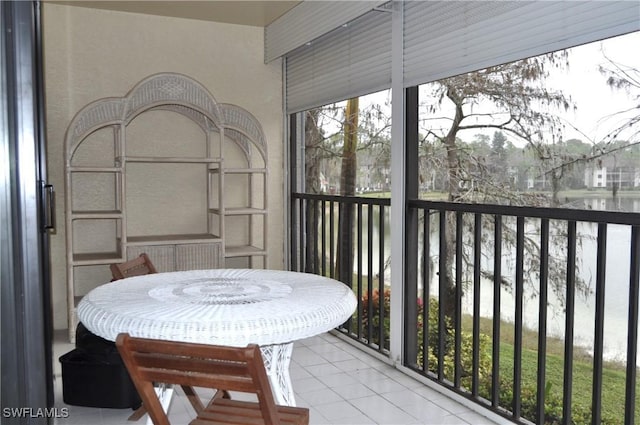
(613, 380)
(613, 375)
(586, 193)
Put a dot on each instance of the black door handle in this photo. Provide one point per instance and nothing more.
(49, 207)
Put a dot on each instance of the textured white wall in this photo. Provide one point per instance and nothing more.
(91, 54)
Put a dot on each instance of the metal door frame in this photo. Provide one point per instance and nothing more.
(26, 363)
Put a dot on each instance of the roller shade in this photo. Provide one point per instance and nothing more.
(353, 60)
(308, 21)
(447, 38)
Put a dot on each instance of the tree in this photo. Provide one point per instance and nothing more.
(511, 99)
(335, 135)
(573, 150)
(313, 139)
(624, 134)
(327, 152)
(347, 188)
(508, 98)
(349, 149)
(621, 77)
(313, 150)
(322, 130)
(498, 145)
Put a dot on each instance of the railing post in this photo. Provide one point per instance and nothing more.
(410, 267)
(457, 320)
(632, 337)
(598, 343)
(345, 244)
(517, 349)
(569, 322)
(542, 319)
(477, 258)
(426, 286)
(497, 281)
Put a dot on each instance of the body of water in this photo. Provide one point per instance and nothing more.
(616, 286)
(616, 300)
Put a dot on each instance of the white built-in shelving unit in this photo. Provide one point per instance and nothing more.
(119, 197)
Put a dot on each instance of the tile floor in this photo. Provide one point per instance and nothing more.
(338, 382)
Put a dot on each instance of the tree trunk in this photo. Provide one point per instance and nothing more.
(349, 163)
(454, 182)
(344, 265)
(555, 188)
(312, 151)
(312, 141)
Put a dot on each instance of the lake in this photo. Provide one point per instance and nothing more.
(616, 287)
(616, 296)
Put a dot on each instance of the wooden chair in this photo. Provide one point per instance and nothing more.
(209, 366)
(136, 267)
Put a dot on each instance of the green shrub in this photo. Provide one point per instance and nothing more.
(375, 317)
(466, 358)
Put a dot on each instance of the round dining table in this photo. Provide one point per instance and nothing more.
(232, 307)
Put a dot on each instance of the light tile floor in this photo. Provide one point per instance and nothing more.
(337, 381)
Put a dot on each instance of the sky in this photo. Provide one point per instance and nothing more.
(587, 86)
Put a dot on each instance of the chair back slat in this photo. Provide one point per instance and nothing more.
(191, 364)
(162, 348)
(195, 379)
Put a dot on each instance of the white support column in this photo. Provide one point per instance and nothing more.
(398, 190)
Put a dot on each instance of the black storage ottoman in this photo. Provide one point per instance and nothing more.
(93, 374)
(93, 380)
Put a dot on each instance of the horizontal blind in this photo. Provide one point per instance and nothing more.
(447, 38)
(308, 21)
(350, 61)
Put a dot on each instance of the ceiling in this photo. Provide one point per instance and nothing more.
(243, 12)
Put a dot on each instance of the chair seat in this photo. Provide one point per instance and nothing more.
(225, 411)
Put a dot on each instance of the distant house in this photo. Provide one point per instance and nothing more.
(595, 177)
(608, 176)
